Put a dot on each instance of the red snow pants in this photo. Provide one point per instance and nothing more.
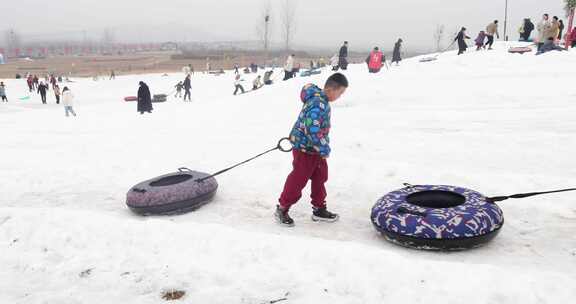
(305, 167)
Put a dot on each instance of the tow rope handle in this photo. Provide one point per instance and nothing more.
(279, 146)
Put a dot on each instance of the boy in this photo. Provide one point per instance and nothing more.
(310, 149)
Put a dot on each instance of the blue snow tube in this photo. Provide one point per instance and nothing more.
(437, 218)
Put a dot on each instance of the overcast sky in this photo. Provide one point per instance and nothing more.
(320, 23)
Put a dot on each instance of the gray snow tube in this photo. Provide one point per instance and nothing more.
(174, 193)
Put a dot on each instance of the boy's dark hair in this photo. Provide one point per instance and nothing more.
(336, 81)
(495, 21)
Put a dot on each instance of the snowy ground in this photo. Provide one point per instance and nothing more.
(491, 121)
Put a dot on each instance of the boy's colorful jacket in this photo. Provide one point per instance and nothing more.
(310, 133)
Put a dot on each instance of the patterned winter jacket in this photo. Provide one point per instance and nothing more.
(310, 132)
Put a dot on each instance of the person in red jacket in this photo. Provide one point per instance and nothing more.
(375, 60)
(30, 82)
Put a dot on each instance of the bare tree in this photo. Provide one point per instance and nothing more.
(12, 38)
(289, 24)
(263, 29)
(569, 6)
(108, 37)
(439, 36)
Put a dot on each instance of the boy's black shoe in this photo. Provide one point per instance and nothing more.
(323, 215)
(283, 218)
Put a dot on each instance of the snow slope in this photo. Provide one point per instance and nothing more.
(491, 121)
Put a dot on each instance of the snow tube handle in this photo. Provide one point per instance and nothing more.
(139, 190)
(408, 186)
(404, 210)
(184, 169)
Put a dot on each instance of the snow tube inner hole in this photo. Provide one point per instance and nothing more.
(171, 180)
(436, 199)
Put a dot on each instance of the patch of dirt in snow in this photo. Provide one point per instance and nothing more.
(171, 295)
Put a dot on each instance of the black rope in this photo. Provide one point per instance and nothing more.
(519, 195)
(524, 195)
(446, 49)
(278, 147)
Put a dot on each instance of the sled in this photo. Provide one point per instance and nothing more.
(434, 58)
(310, 73)
(428, 59)
(25, 98)
(216, 73)
(172, 194)
(246, 92)
(413, 203)
(160, 98)
(519, 50)
(130, 98)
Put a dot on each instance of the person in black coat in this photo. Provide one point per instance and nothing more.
(528, 28)
(42, 88)
(461, 38)
(187, 87)
(561, 28)
(343, 56)
(396, 56)
(144, 99)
